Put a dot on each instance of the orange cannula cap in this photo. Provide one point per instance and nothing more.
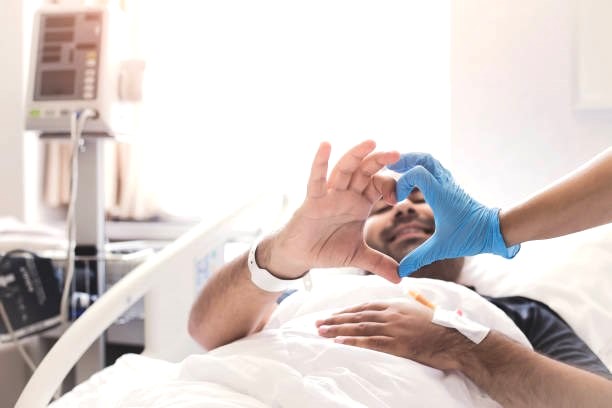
(421, 299)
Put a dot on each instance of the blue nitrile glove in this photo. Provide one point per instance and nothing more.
(463, 226)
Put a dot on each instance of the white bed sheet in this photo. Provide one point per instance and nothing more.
(289, 365)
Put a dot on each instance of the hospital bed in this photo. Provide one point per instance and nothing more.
(573, 275)
(168, 281)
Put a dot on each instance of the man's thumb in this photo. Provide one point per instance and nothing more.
(376, 262)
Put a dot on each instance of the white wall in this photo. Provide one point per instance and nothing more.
(513, 127)
(270, 79)
(11, 112)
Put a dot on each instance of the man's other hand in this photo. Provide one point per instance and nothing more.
(402, 328)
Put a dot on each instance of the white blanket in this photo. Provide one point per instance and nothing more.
(289, 365)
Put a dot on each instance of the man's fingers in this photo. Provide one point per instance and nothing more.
(362, 177)
(369, 306)
(378, 343)
(378, 263)
(317, 182)
(356, 317)
(385, 186)
(354, 329)
(343, 171)
(371, 193)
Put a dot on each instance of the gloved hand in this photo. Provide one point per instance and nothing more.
(463, 226)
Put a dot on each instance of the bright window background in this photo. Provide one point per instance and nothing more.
(240, 93)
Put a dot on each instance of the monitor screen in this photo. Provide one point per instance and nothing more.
(57, 83)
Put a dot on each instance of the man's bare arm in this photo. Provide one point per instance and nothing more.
(230, 307)
(579, 201)
(517, 377)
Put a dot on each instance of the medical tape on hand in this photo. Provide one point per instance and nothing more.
(454, 320)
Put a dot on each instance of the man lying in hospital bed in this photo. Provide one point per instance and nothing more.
(304, 354)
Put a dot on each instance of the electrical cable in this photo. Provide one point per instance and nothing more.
(77, 123)
(16, 341)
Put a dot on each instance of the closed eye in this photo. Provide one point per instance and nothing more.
(380, 209)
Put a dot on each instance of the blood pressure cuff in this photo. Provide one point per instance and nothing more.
(29, 291)
(549, 334)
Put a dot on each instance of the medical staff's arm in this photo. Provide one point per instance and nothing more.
(326, 231)
(510, 373)
(581, 200)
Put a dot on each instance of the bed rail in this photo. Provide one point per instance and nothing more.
(167, 279)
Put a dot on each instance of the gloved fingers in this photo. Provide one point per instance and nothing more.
(317, 182)
(376, 262)
(410, 160)
(419, 257)
(362, 177)
(342, 172)
(420, 177)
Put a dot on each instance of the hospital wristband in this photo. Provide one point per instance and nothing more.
(263, 279)
(454, 320)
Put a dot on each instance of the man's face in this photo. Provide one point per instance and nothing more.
(398, 229)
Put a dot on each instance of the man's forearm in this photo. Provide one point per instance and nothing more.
(229, 306)
(517, 377)
(581, 200)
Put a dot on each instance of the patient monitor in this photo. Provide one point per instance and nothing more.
(83, 85)
(79, 61)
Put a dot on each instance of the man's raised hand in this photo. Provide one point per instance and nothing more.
(327, 229)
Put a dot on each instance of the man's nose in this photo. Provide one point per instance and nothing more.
(404, 208)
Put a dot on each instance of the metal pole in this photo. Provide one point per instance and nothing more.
(90, 234)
